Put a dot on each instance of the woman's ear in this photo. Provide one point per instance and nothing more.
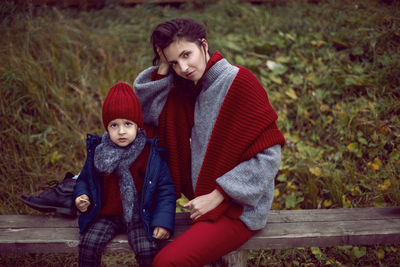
(204, 43)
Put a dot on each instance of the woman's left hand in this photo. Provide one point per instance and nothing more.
(203, 204)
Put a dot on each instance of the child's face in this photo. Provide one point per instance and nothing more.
(188, 59)
(122, 132)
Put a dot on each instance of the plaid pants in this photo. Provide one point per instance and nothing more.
(104, 229)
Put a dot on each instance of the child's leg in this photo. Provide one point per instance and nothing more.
(203, 243)
(94, 240)
(144, 249)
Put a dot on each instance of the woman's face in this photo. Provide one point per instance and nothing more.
(188, 59)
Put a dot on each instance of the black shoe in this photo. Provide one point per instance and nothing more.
(59, 198)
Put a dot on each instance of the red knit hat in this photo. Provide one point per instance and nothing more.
(122, 103)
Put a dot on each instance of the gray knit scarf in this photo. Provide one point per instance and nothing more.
(110, 157)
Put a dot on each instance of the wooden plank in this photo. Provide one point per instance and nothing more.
(326, 234)
(36, 221)
(50, 240)
(236, 258)
(43, 221)
(290, 235)
(275, 216)
(89, 3)
(280, 216)
(285, 229)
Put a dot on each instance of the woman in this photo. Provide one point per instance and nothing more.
(219, 128)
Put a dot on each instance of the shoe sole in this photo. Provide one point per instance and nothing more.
(44, 208)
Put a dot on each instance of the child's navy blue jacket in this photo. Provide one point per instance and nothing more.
(158, 201)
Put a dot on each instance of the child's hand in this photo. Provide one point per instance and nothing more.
(160, 233)
(82, 203)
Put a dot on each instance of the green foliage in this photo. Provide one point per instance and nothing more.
(331, 70)
(70, 260)
(337, 256)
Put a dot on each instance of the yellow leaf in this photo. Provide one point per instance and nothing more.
(291, 93)
(290, 37)
(316, 171)
(276, 206)
(353, 147)
(385, 186)
(338, 263)
(324, 108)
(276, 192)
(381, 254)
(375, 165)
(338, 109)
(182, 201)
(54, 157)
(387, 183)
(318, 43)
(345, 202)
(292, 186)
(316, 251)
(355, 191)
(327, 203)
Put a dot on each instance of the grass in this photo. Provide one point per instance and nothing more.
(331, 69)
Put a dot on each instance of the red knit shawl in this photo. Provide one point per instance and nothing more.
(244, 127)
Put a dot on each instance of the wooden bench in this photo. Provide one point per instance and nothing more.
(285, 229)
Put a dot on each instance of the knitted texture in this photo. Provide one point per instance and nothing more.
(175, 124)
(111, 158)
(215, 84)
(112, 203)
(244, 127)
(122, 103)
(176, 120)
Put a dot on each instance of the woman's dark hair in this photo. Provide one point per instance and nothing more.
(182, 28)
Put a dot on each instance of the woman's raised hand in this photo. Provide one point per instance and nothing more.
(163, 69)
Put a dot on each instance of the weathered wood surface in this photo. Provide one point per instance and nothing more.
(285, 229)
(124, 2)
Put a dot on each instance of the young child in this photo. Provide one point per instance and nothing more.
(125, 185)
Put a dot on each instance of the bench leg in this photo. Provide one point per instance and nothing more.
(237, 258)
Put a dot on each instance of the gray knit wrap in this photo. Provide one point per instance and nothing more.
(109, 158)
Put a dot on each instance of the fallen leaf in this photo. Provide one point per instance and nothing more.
(316, 171)
(291, 93)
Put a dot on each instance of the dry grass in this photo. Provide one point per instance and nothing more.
(336, 89)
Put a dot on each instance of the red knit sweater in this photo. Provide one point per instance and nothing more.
(244, 127)
(112, 203)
